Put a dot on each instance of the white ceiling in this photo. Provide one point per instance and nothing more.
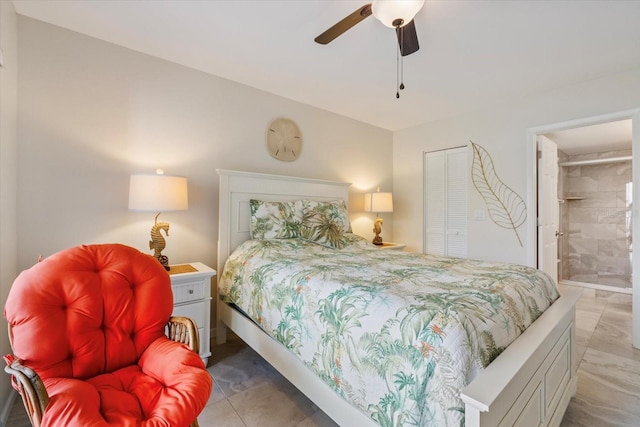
(472, 53)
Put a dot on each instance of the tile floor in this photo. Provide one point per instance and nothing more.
(248, 392)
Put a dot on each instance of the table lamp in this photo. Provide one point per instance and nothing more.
(158, 193)
(379, 203)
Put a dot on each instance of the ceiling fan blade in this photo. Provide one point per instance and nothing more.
(408, 39)
(344, 25)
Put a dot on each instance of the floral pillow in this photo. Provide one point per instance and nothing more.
(325, 223)
(275, 220)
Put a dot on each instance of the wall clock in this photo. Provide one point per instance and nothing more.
(284, 140)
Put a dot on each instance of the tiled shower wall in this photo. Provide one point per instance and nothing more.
(595, 209)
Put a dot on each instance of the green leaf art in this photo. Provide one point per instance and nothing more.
(506, 208)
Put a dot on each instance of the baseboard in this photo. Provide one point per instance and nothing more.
(6, 410)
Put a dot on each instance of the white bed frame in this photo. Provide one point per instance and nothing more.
(529, 384)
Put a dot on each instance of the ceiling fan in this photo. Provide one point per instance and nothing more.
(396, 14)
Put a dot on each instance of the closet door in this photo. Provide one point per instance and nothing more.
(434, 203)
(445, 222)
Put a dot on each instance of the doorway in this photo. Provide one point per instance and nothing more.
(594, 212)
(533, 255)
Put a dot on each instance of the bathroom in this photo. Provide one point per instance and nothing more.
(595, 205)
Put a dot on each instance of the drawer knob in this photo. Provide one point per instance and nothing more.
(190, 291)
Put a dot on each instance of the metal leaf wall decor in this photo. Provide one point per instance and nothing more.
(506, 208)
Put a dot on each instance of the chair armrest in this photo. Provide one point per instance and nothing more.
(31, 388)
(184, 330)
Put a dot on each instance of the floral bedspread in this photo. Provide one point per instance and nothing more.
(396, 334)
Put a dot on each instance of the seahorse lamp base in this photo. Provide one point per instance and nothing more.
(157, 242)
(377, 229)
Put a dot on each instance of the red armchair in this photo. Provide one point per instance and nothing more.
(88, 327)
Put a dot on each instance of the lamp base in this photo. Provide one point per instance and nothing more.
(157, 242)
(164, 260)
(377, 229)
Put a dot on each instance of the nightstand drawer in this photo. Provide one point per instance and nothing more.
(195, 312)
(190, 291)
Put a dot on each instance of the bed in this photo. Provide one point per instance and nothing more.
(529, 383)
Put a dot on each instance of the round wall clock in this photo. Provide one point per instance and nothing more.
(284, 140)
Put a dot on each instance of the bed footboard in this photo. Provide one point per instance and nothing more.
(532, 381)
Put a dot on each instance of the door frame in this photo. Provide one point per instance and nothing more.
(532, 188)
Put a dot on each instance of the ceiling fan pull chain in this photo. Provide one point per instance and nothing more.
(399, 63)
(402, 73)
(401, 59)
(398, 73)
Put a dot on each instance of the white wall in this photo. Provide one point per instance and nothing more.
(501, 129)
(8, 147)
(91, 113)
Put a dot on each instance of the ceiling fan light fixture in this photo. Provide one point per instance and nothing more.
(396, 13)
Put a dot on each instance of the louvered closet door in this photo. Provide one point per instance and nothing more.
(446, 179)
(434, 203)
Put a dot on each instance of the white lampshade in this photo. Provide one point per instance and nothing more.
(158, 193)
(378, 202)
(387, 11)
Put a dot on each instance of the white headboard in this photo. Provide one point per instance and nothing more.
(237, 188)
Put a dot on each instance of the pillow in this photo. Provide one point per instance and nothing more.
(275, 220)
(325, 223)
(335, 210)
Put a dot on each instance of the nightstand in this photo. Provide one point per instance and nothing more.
(191, 286)
(392, 246)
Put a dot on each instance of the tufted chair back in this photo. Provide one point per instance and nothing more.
(87, 329)
(90, 309)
